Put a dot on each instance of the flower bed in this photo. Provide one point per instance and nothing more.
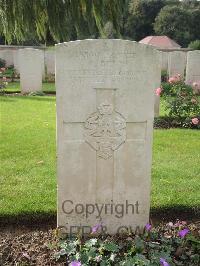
(182, 104)
(167, 244)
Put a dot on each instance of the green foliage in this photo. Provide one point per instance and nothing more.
(141, 17)
(169, 122)
(2, 63)
(181, 100)
(136, 250)
(65, 20)
(2, 86)
(33, 22)
(174, 22)
(3, 82)
(180, 22)
(164, 75)
(195, 45)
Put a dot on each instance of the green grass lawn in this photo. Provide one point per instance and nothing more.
(28, 160)
(50, 87)
(15, 87)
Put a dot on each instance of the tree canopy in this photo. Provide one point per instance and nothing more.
(64, 19)
(179, 23)
(50, 21)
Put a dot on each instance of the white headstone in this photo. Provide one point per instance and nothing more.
(176, 63)
(164, 60)
(49, 59)
(16, 60)
(31, 64)
(105, 111)
(193, 69)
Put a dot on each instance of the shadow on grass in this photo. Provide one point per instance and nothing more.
(10, 98)
(32, 220)
(47, 220)
(172, 213)
(46, 92)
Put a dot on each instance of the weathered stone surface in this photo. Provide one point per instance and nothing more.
(105, 111)
(164, 60)
(7, 55)
(49, 59)
(16, 60)
(31, 65)
(176, 63)
(193, 69)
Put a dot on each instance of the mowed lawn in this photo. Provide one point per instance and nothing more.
(28, 160)
(15, 87)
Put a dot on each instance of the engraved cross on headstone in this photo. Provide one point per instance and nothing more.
(105, 130)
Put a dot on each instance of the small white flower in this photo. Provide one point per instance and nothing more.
(112, 257)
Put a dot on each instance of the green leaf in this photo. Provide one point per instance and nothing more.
(139, 244)
(110, 246)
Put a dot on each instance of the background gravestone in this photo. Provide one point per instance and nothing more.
(16, 60)
(7, 55)
(49, 59)
(176, 63)
(105, 111)
(31, 66)
(193, 69)
(163, 60)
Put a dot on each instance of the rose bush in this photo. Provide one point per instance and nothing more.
(182, 103)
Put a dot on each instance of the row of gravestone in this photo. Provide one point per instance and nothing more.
(31, 62)
(173, 62)
(31, 66)
(185, 64)
(11, 57)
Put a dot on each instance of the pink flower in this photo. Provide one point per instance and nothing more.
(195, 121)
(170, 224)
(171, 80)
(148, 226)
(4, 78)
(163, 262)
(183, 232)
(3, 69)
(194, 84)
(25, 255)
(184, 222)
(175, 79)
(158, 91)
(75, 263)
(96, 227)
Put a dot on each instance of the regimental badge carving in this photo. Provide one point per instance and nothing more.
(105, 130)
